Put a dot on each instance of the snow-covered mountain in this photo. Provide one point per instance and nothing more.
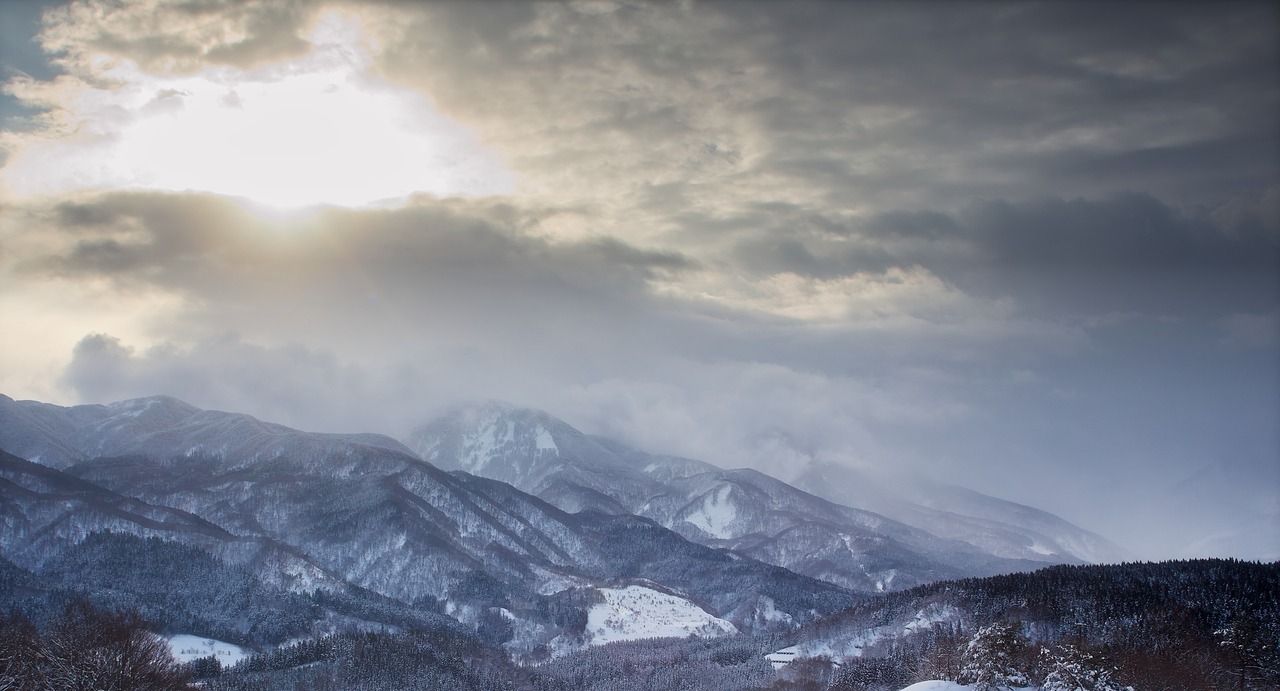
(316, 510)
(45, 509)
(744, 510)
(59, 437)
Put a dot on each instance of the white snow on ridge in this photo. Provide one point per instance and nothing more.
(717, 512)
(482, 444)
(545, 442)
(636, 612)
(186, 648)
(1040, 549)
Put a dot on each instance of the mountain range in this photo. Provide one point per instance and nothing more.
(901, 534)
(507, 520)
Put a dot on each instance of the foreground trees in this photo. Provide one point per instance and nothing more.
(1073, 669)
(994, 659)
(998, 657)
(86, 649)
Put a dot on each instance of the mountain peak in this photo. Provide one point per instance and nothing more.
(495, 439)
(167, 407)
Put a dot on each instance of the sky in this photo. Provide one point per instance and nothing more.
(1029, 248)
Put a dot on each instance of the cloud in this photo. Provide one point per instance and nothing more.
(266, 133)
(174, 36)
(686, 407)
(1012, 246)
(377, 318)
(1061, 259)
(483, 271)
(851, 106)
(1125, 253)
(292, 383)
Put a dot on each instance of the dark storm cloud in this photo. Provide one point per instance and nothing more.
(389, 272)
(1018, 95)
(1129, 253)
(150, 232)
(1056, 257)
(474, 265)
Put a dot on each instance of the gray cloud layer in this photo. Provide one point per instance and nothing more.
(1018, 246)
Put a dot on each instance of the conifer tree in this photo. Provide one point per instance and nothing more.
(1073, 669)
(993, 658)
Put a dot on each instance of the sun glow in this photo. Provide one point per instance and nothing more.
(321, 129)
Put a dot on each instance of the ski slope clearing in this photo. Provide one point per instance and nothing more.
(186, 648)
(636, 612)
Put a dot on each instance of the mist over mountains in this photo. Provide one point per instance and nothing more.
(328, 511)
(503, 526)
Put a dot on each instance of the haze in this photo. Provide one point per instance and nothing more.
(1033, 249)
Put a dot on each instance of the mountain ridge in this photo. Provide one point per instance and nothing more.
(367, 513)
(740, 509)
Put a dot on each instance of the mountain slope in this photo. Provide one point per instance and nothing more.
(998, 526)
(59, 437)
(46, 509)
(1162, 617)
(743, 510)
(361, 510)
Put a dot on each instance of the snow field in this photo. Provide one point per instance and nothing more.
(186, 648)
(636, 612)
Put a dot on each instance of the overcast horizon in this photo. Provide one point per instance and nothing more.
(1032, 249)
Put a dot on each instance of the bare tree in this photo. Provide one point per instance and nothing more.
(18, 653)
(87, 649)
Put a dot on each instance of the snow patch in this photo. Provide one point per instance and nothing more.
(716, 513)
(186, 648)
(768, 610)
(1041, 549)
(301, 577)
(545, 442)
(481, 445)
(134, 408)
(636, 612)
(930, 615)
(782, 658)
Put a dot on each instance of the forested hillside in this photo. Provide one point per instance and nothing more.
(1204, 624)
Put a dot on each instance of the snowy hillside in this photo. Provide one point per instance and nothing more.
(636, 612)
